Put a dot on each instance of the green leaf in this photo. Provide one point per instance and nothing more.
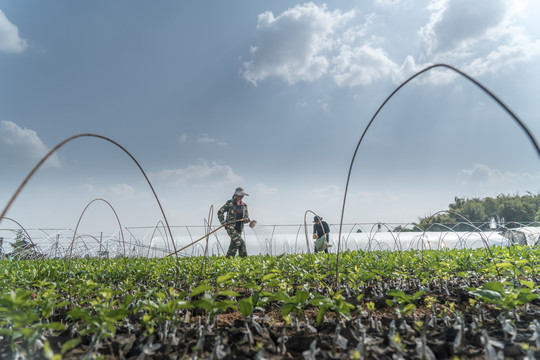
(49, 353)
(398, 294)
(321, 313)
(224, 305)
(200, 289)
(78, 313)
(301, 296)
(521, 262)
(127, 300)
(418, 294)
(320, 300)
(117, 314)
(281, 296)
(287, 318)
(245, 306)
(228, 293)
(52, 326)
(409, 308)
(251, 286)
(494, 286)
(345, 307)
(529, 284)
(70, 344)
(524, 298)
(203, 304)
(27, 332)
(182, 304)
(268, 277)
(225, 277)
(488, 295)
(286, 308)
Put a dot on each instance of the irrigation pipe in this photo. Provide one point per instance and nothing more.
(479, 85)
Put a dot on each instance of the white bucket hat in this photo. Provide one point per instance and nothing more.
(240, 192)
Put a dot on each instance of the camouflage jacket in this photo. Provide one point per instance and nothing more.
(230, 209)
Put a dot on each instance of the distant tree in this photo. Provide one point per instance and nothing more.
(22, 248)
(507, 210)
(439, 222)
(473, 210)
(20, 244)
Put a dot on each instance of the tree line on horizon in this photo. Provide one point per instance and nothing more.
(503, 211)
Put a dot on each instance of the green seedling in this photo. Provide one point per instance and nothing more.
(20, 318)
(212, 304)
(403, 303)
(259, 297)
(292, 306)
(336, 304)
(101, 318)
(506, 296)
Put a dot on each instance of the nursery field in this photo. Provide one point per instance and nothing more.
(433, 304)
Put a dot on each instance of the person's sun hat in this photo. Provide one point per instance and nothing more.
(240, 192)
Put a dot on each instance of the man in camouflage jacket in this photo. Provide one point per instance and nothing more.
(237, 215)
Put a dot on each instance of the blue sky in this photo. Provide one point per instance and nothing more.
(270, 96)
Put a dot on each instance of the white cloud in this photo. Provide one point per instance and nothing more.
(521, 49)
(479, 37)
(458, 23)
(409, 67)
(204, 138)
(388, 2)
(123, 190)
(371, 197)
(323, 104)
(23, 146)
(88, 188)
(202, 174)
(330, 191)
(265, 189)
(484, 176)
(308, 42)
(10, 40)
(479, 174)
(293, 46)
(183, 138)
(355, 66)
(114, 191)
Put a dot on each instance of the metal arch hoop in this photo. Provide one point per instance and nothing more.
(478, 84)
(38, 165)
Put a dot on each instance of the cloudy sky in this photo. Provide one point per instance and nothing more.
(271, 96)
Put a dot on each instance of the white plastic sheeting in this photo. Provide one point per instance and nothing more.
(263, 239)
